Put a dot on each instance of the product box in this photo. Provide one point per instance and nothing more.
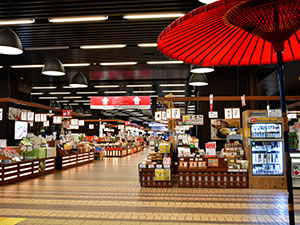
(183, 164)
(193, 164)
(51, 152)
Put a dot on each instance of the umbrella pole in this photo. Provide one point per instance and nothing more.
(286, 141)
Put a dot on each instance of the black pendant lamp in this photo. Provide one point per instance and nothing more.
(53, 67)
(10, 43)
(68, 107)
(201, 69)
(78, 81)
(198, 79)
(55, 104)
(88, 112)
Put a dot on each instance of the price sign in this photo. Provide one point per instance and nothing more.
(210, 148)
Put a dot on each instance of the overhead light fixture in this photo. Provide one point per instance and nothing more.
(16, 22)
(27, 66)
(46, 48)
(88, 112)
(72, 97)
(87, 103)
(76, 64)
(82, 100)
(164, 62)
(73, 103)
(66, 87)
(198, 79)
(200, 69)
(53, 67)
(103, 46)
(140, 92)
(78, 81)
(172, 85)
(36, 93)
(115, 92)
(153, 16)
(63, 100)
(106, 86)
(55, 104)
(147, 45)
(174, 91)
(74, 19)
(118, 64)
(59, 93)
(153, 96)
(86, 92)
(138, 85)
(44, 87)
(208, 1)
(175, 96)
(48, 97)
(10, 43)
(79, 109)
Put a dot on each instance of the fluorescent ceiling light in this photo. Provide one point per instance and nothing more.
(63, 100)
(27, 66)
(86, 103)
(174, 91)
(191, 106)
(73, 103)
(106, 86)
(44, 87)
(48, 97)
(154, 96)
(46, 48)
(82, 100)
(76, 64)
(118, 63)
(143, 92)
(73, 19)
(139, 85)
(202, 70)
(1, 67)
(147, 45)
(16, 22)
(86, 92)
(72, 97)
(37, 93)
(102, 46)
(152, 16)
(115, 92)
(164, 62)
(175, 96)
(59, 93)
(172, 85)
(207, 1)
(67, 87)
(179, 103)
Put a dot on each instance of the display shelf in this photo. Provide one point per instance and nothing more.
(18, 171)
(74, 159)
(147, 179)
(121, 152)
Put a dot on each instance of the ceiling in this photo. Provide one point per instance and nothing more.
(114, 30)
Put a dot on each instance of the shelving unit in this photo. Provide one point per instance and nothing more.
(74, 159)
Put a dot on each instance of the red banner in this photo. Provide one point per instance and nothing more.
(120, 102)
(67, 113)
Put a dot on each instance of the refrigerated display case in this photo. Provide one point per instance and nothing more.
(267, 158)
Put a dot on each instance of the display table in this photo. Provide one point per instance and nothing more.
(147, 179)
(116, 152)
(17, 171)
(74, 159)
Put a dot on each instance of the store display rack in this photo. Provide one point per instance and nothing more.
(74, 159)
(147, 179)
(18, 171)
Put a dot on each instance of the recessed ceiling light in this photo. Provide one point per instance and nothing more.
(147, 45)
(164, 62)
(44, 87)
(172, 85)
(27, 66)
(82, 100)
(139, 85)
(118, 63)
(174, 91)
(207, 1)
(76, 64)
(72, 97)
(48, 97)
(143, 92)
(86, 92)
(16, 22)
(73, 19)
(152, 16)
(37, 93)
(102, 46)
(59, 93)
(115, 92)
(106, 86)
(46, 48)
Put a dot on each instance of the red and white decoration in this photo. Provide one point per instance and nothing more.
(120, 102)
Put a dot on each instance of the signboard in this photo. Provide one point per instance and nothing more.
(265, 120)
(228, 113)
(169, 114)
(220, 128)
(30, 116)
(37, 118)
(81, 122)
(120, 102)
(91, 126)
(210, 148)
(74, 122)
(67, 113)
(157, 116)
(46, 123)
(176, 113)
(213, 115)
(193, 119)
(57, 120)
(23, 115)
(162, 174)
(43, 117)
(292, 116)
(1, 113)
(212, 162)
(127, 123)
(236, 113)
(274, 113)
(164, 116)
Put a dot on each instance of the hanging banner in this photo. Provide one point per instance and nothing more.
(236, 113)
(67, 113)
(228, 113)
(243, 99)
(211, 101)
(120, 102)
(193, 119)
(57, 120)
(157, 116)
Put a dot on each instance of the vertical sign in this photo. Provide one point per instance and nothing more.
(236, 113)
(228, 113)
(67, 113)
(157, 116)
(243, 99)
(211, 101)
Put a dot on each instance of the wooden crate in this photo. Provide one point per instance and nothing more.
(212, 179)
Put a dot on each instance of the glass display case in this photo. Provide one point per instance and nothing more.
(267, 158)
(266, 130)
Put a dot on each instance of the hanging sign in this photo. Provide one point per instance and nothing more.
(274, 113)
(213, 115)
(127, 123)
(74, 122)
(81, 123)
(236, 113)
(228, 113)
(210, 148)
(120, 102)
(67, 113)
(157, 116)
(176, 113)
(164, 116)
(1, 113)
(43, 117)
(211, 101)
(91, 126)
(30, 116)
(193, 119)
(57, 120)
(46, 123)
(23, 115)
(169, 114)
(37, 118)
(243, 99)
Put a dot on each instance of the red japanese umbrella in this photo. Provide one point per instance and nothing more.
(240, 32)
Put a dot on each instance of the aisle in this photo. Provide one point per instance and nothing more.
(108, 192)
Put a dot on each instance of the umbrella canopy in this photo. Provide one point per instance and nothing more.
(209, 36)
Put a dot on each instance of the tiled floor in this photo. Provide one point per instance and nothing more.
(108, 193)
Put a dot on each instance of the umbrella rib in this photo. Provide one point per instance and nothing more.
(297, 38)
(261, 54)
(245, 50)
(291, 50)
(253, 50)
